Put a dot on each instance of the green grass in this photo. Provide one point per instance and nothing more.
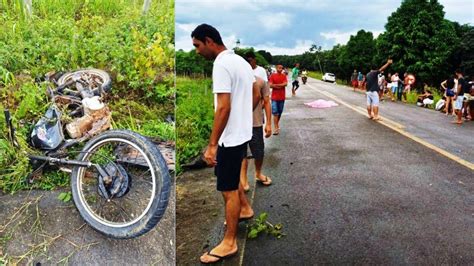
(194, 116)
(63, 35)
(412, 97)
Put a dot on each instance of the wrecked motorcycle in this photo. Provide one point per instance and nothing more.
(120, 181)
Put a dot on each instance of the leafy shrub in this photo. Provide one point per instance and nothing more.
(194, 116)
(63, 35)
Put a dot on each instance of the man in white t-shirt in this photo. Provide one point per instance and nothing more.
(236, 95)
(256, 144)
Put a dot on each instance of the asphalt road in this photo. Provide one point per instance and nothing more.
(355, 191)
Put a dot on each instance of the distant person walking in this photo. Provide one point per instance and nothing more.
(294, 76)
(256, 144)
(354, 81)
(278, 82)
(373, 91)
(235, 96)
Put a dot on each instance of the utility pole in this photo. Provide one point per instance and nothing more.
(28, 7)
(316, 49)
(146, 6)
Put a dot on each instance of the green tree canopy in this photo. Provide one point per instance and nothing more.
(419, 40)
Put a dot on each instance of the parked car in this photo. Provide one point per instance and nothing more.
(329, 77)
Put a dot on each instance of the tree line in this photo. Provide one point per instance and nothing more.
(417, 37)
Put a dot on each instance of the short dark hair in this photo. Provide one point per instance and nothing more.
(458, 71)
(250, 54)
(204, 30)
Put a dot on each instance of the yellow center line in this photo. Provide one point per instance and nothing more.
(398, 128)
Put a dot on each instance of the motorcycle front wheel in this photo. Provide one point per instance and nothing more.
(125, 190)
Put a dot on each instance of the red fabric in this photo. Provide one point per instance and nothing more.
(278, 94)
(355, 83)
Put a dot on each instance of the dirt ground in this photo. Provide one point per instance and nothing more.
(198, 208)
(37, 227)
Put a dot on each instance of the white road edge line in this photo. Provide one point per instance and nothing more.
(241, 260)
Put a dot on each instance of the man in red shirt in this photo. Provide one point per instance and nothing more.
(278, 82)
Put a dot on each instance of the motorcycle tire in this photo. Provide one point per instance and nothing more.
(104, 76)
(153, 207)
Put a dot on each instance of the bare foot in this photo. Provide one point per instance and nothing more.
(457, 122)
(377, 118)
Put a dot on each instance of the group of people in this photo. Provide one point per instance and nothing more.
(244, 107)
(393, 85)
(458, 98)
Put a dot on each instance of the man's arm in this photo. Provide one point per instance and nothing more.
(268, 115)
(389, 61)
(256, 96)
(443, 84)
(221, 117)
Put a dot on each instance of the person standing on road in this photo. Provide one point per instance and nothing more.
(360, 79)
(449, 87)
(381, 82)
(278, 82)
(395, 84)
(256, 144)
(461, 97)
(294, 76)
(235, 91)
(408, 82)
(373, 90)
(354, 82)
(388, 85)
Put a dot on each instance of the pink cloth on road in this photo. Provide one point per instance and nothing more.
(320, 104)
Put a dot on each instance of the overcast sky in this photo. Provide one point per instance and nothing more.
(291, 26)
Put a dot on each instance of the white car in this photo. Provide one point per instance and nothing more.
(329, 77)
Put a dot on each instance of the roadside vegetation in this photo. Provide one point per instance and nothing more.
(136, 50)
(194, 116)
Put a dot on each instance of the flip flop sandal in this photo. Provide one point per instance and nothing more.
(219, 258)
(277, 131)
(242, 219)
(264, 182)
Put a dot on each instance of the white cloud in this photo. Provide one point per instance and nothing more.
(343, 37)
(275, 21)
(461, 11)
(185, 43)
(300, 47)
(187, 27)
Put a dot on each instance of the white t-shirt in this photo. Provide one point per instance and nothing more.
(232, 74)
(261, 73)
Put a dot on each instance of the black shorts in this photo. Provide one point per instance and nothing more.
(227, 170)
(256, 144)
